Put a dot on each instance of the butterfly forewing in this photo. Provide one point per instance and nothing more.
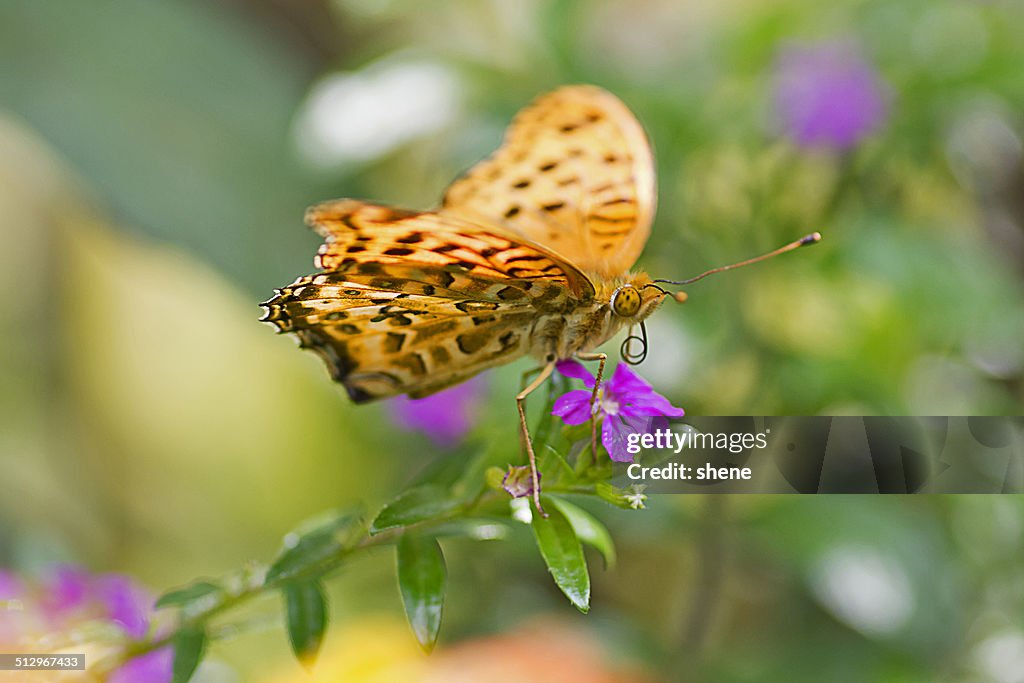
(371, 243)
(575, 173)
(413, 302)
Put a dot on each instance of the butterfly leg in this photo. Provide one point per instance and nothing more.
(524, 429)
(525, 378)
(602, 358)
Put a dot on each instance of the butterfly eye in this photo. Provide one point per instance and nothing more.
(626, 301)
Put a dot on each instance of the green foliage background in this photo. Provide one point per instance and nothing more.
(152, 183)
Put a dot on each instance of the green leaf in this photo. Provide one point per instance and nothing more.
(190, 593)
(550, 458)
(314, 552)
(588, 529)
(421, 577)
(306, 609)
(188, 650)
(563, 555)
(415, 505)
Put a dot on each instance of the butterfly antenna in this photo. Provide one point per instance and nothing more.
(802, 242)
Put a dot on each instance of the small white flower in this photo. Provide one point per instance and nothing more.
(636, 497)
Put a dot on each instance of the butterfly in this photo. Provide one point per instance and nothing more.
(530, 253)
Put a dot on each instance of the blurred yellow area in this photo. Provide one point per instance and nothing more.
(169, 403)
(379, 650)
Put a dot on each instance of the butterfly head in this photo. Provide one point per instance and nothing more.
(632, 301)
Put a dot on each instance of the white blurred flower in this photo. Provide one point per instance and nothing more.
(352, 117)
(866, 590)
(1001, 656)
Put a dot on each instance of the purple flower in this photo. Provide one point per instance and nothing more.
(70, 596)
(626, 402)
(446, 416)
(828, 95)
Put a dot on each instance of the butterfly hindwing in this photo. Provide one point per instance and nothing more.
(382, 343)
(575, 173)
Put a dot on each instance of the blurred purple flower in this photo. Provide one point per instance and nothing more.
(828, 95)
(446, 416)
(65, 590)
(10, 585)
(626, 402)
(127, 605)
(70, 596)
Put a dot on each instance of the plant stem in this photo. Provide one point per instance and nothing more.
(252, 585)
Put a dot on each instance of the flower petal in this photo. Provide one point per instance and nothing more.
(624, 382)
(654, 404)
(614, 436)
(575, 370)
(127, 605)
(638, 398)
(573, 407)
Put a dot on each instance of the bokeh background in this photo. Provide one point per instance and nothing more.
(155, 160)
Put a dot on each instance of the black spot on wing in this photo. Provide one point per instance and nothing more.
(471, 342)
(476, 306)
(369, 268)
(527, 257)
(510, 293)
(412, 362)
(440, 356)
(393, 342)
